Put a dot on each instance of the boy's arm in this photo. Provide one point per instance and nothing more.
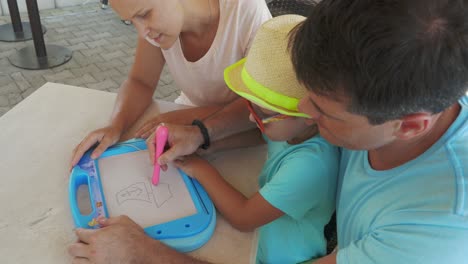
(243, 213)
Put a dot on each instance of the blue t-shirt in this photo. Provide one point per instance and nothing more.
(414, 213)
(300, 180)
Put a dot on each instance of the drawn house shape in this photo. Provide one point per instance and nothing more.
(161, 193)
(135, 191)
(139, 192)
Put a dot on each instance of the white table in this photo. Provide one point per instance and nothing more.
(36, 140)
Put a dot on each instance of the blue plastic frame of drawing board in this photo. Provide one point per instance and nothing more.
(184, 234)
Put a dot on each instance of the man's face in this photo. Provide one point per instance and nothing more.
(344, 129)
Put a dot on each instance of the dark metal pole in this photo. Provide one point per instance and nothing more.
(35, 20)
(40, 56)
(15, 16)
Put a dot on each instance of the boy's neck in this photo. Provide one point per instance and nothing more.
(399, 152)
(310, 132)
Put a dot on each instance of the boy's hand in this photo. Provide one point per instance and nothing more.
(194, 166)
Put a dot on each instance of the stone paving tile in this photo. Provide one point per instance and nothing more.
(9, 89)
(109, 64)
(85, 70)
(20, 81)
(103, 75)
(103, 52)
(14, 98)
(4, 102)
(3, 110)
(125, 69)
(103, 85)
(31, 90)
(57, 77)
(84, 80)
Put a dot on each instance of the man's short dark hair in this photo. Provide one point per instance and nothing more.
(390, 58)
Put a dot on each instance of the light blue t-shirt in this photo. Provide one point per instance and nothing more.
(414, 213)
(300, 180)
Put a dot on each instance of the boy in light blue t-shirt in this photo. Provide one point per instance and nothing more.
(298, 181)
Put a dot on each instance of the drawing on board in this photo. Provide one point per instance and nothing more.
(139, 192)
(127, 188)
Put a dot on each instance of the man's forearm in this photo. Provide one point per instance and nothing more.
(249, 138)
(186, 116)
(231, 119)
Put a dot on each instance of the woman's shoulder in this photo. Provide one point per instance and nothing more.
(245, 5)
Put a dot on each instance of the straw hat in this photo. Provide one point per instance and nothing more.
(266, 76)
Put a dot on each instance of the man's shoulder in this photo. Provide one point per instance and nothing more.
(464, 99)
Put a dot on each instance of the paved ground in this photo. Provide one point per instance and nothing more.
(103, 50)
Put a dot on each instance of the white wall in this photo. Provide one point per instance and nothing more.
(42, 4)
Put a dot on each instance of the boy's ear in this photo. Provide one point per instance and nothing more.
(413, 125)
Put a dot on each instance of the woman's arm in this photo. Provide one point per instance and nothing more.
(136, 93)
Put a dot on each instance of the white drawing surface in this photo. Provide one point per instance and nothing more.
(127, 188)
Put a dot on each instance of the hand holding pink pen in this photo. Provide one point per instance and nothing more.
(160, 140)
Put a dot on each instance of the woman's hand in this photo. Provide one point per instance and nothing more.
(104, 138)
(149, 127)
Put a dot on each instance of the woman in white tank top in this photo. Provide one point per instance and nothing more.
(196, 39)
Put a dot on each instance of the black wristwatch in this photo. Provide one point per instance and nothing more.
(204, 131)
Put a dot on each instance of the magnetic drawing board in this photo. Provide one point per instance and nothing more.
(177, 211)
(126, 184)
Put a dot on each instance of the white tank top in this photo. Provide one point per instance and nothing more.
(202, 82)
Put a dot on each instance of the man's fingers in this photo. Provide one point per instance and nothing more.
(112, 220)
(169, 156)
(85, 235)
(121, 219)
(79, 250)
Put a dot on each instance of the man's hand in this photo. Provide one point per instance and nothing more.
(120, 240)
(183, 140)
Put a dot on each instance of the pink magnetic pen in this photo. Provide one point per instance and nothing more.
(160, 140)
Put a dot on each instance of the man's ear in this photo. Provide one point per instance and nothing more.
(413, 125)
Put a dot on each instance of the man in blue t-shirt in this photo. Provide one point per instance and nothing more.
(385, 80)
